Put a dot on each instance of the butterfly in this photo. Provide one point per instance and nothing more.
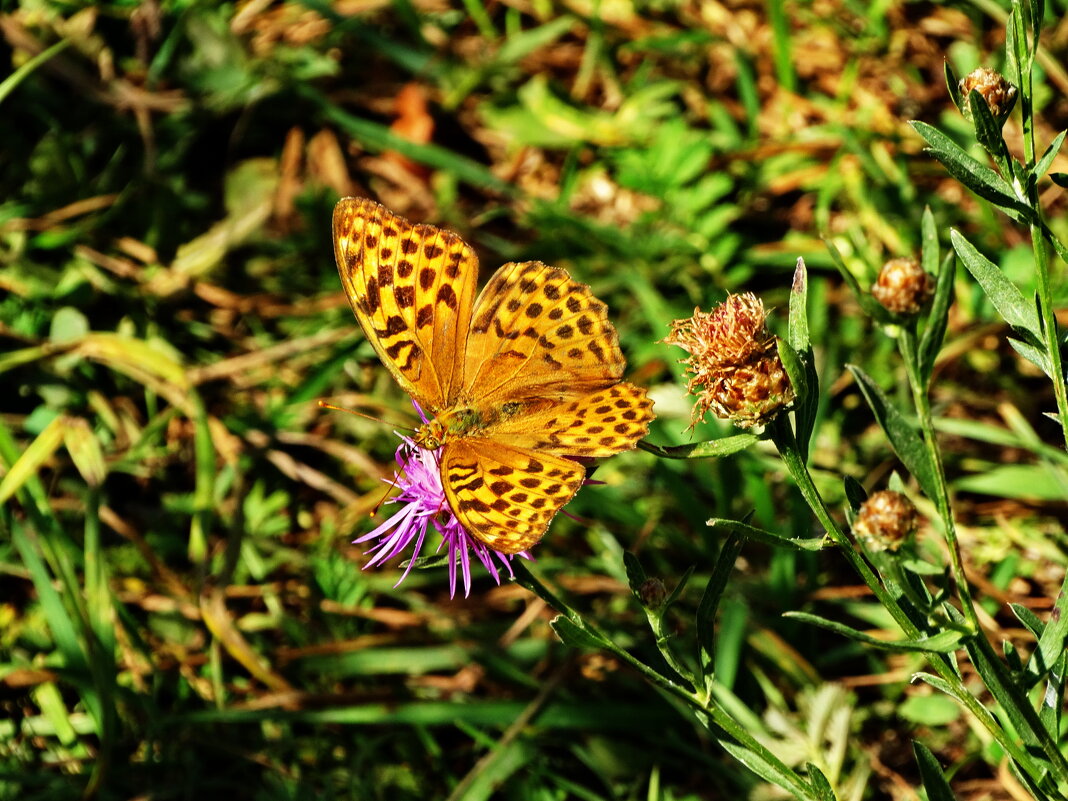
(513, 382)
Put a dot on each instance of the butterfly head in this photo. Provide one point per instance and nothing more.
(450, 424)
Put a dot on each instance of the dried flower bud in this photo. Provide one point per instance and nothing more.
(736, 368)
(652, 593)
(999, 94)
(885, 521)
(903, 287)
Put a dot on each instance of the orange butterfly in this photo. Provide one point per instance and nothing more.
(513, 381)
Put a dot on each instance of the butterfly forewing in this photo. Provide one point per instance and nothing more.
(536, 333)
(411, 288)
(503, 495)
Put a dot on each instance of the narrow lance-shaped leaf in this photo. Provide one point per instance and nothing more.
(1046, 161)
(1038, 357)
(976, 176)
(1038, 11)
(941, 643)
(798, 321)
(934, 332)
(706, 609)
(903, 437)
(1003, 294)
(867, 302)
(767, 537)
(807, 404)
(820, 786)
(934, 781)
(703, 450)
(574, 634)
(36, 454)
(953, 85)
(987, 131)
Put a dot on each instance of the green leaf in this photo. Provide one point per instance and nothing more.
(1052, 639)
(987, 131)
(736, 528)
(1003, 294)
(1044, 163)
(854, 492)
(705, 619)
(981, 179)
(934, 781)
(820, 786)
(677, 591)
(68, 325)
(795, 370)
(635, 572)
(902, 435)
(1060, 178)
(1037, 356)
(36, 454)
(776, 774)
(929, 710)
(1022, 481)
(574, 634)
(378, 137)
(1028, 618)
(943, 643)
(870, 306)
(522, 44)
(929, 249)
(807, 404)
(953, 85)
(703, 450)
(798, 320)
(934, 332)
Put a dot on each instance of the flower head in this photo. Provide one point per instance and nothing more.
(425, 504)
(736, 370)
(903, 287)
(999, 94)
(885, 521)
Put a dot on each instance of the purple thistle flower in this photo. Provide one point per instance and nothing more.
(424, 503)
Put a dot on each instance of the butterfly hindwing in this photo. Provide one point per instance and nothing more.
(592, 424)
(411, 288)
(503, 495)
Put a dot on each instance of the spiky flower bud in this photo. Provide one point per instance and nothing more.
(736, 370)
(885, 521)
(999, 94)
(652, 593)
(903, 287)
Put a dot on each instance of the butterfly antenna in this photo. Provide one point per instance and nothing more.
(385, 496)
(324, 405)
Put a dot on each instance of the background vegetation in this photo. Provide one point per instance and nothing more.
(181, 613)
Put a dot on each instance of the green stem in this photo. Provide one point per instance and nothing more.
(724, 725)
(907, 346)
(1049, 318)
(1004, 687)
(702, 701)
(782, 435)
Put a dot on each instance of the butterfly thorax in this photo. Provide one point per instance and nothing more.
(463, 420)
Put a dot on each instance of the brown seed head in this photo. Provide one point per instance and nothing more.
(885, 521)
(735, 369)
(999, 94)
(903, 287)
